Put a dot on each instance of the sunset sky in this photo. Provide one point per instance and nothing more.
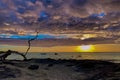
(95, 48)
(63, 25)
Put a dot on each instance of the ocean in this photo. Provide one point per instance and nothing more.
(110, 56)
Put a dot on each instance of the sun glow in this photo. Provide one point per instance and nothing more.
(85, 48)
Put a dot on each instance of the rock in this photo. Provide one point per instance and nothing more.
(33, 67)
(56, 53)
(50, 65)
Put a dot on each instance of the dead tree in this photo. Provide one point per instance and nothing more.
(29, 43)
(25, 58)
(4, 55)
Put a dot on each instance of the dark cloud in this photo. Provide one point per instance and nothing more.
(79, 2)
(59, 16)
(76, 8)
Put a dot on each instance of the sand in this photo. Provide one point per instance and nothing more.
(49, 69)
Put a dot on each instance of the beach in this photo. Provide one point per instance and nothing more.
(62, 66)
(50, 69)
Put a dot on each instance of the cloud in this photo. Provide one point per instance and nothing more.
(60, 17)
(56, 42)
(48, 40)
(23, 9)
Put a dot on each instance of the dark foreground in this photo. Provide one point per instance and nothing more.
(48, 69)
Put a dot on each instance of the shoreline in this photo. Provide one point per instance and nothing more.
(50, 69)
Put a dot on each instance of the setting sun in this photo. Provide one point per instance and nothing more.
(85, 48)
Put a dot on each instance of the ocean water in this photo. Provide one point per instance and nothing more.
(111, 56)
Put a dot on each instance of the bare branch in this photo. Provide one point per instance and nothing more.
(29, 43)
(16, 52)
(4, 55)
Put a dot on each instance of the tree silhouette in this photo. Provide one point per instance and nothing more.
(29, 43)
(5, 54)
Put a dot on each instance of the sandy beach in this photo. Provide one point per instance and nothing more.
(49, 69)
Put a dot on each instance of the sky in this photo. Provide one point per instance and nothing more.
(83, 48)
(60, 23)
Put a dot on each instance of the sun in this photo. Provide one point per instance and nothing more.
(85, 48)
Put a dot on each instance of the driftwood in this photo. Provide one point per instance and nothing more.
(4, 55)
